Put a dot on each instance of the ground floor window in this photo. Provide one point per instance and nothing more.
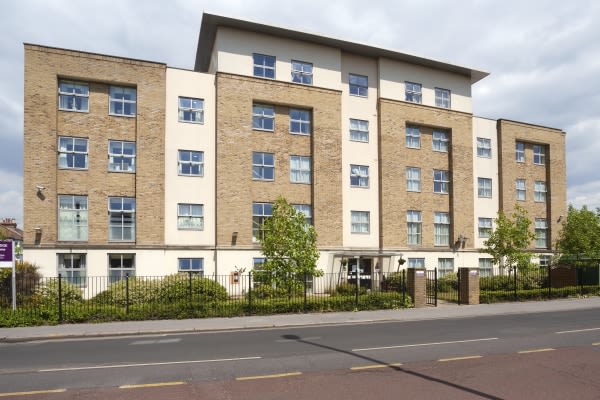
(445, 266)
(120, 265)
(485, 267)
(71, 266)
(195, 265)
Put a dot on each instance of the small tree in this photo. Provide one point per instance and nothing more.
(289, 245)
(510, 239)
(580, 234)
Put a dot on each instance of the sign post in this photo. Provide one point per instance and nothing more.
(7, 259)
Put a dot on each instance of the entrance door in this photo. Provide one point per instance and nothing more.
(366, 272)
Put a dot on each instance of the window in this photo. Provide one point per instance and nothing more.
(441, 227)
(413, 179)
(260, 212)
(442, 98)
(539, 193)
(302, 72)
(263, 166)
(121, 225)
(445, 266)
(190, 163)
(71, 266)
(195, 265)
(413, 222)
(191, 110)
(545, 260)
(359, 130)
(521, 188)
(412, 92)
(520, 151)
(484, 147)
(300, 122)
(539, 154)
(440, 141)
(484, 187)
(359, 176)
(120, 266)
(541, 232)
(72, 153)
(441, 181)
(121, 156)
(73, 96)
(264, 66)
(486, 267)
(300, 170)
(359, 85)
(485, 227)
(190, 216)
(416, 263)
(122, 101)
(306, 210)
(263, 117)
(360, 221)
(413, 137)
(257, 266)
(72, 217)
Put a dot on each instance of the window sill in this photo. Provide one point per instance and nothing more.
(191, 122)
(121, 172)
(122, 115)
(72, 169)
(71, 110)
(263, 130)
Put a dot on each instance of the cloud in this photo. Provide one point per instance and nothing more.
(11, 196)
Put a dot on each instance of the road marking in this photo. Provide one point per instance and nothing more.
(33, 392)
(147, 364)
(248, 378)
(160, 341)
(579, 330)
(535, 351)
(458, 358)
(424, 344)
(144, 385)
(360, 368)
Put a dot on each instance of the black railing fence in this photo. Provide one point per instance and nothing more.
(190, 295)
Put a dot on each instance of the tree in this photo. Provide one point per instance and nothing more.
(580, 234)
(509, 241)
(289, 245)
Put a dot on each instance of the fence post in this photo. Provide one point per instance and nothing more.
(60, 310)
(515, 276)
(458, 279)
(549, 281)
(190, 288)
(403, 284)
(127, 293)
(435, 282)
(305, 278)
(250, 293)
(356, 293)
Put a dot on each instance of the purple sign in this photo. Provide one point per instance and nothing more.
(6, 248)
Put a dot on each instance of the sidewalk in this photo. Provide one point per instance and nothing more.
(12, 335)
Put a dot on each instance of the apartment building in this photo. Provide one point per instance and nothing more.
(134, 167)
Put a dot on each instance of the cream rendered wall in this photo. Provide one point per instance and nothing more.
(189, 136)
(235, 49)
(365, 108)
(393, 75)
(485, 168)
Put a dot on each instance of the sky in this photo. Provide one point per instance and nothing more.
(543, 56)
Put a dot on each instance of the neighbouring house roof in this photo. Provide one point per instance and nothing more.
(8, 229)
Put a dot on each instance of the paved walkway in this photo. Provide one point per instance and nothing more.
(254, 322)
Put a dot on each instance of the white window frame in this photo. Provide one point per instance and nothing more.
(300, 169)
(73, 214)
(358, 85)
(72, 267)
(445, 266)
(441, 181)
(70, 153)
(539, 193)
(413, 92)
(443, 97)
(441, 229)
(416, 263)
(541, 233)
(300, 122)
(191, 264)
(123, 161)
(360, 222)
(122, 101)
(191, 110)
(484, 188)
(413, 137)
(359, 176)
(520, 152)
(263, 117)
(194, 160)
(486, 267)
(190, 217)
(440, 141)
(121, 217)
(73, 96)
(413, 184)
(484, 147)
(359, 130)
(414, 227)
(521, 189)
(120, 271)
(302, 72)
(484, 227)
(545, 260)
(260, 212)
(260, 166)
(539, 154)
(264, 65)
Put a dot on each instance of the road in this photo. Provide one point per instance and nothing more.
(545, 354)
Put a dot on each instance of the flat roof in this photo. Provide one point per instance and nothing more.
(211, 22)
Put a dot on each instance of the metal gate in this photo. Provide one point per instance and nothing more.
(431, 293)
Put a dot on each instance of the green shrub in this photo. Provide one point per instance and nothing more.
(392, 282)
(448, 283)
(177, 288)
(27, 279)
(498, 282)
(264, 292)
(348, 289)
(47, 294)
(141, 291)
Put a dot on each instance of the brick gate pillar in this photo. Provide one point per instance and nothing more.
(416, 286)
(469, 285)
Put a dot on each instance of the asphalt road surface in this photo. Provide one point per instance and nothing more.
(546, 355)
